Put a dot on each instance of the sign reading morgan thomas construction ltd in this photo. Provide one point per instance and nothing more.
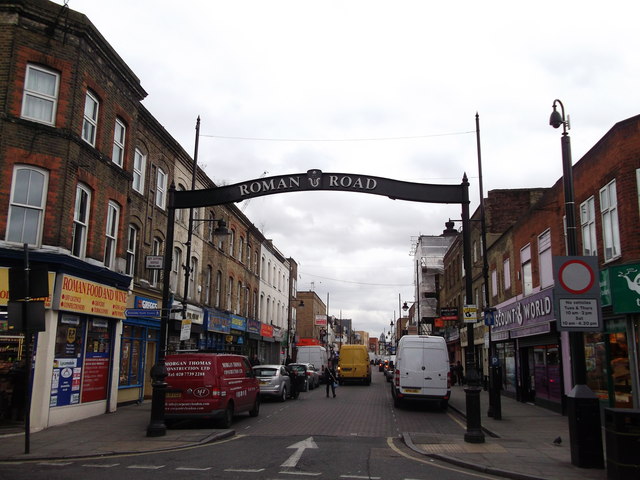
(317, 180)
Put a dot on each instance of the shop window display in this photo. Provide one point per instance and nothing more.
(608, 368)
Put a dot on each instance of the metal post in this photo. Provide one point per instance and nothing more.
(495, 406)
(187, 260)
(583, 409)
(157, 427)
(474, 432)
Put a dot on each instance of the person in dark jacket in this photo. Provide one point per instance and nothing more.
(330, 379)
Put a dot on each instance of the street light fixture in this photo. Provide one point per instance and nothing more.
(583, 410)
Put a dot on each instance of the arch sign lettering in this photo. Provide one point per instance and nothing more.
(318, 180)
(309, 181)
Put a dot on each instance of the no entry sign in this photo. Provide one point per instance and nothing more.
(577, 294)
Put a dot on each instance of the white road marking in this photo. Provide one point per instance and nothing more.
(101, 465)
(194, 469)
(365, 477)
(55, 464)
(310, 474)
(300, 447)
(246, 470)
(146, 467)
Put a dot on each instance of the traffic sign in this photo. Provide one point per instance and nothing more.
(142, 312)
(577, 294)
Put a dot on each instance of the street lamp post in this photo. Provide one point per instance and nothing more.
(583, 409)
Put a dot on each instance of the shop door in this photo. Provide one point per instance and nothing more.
(546, 372)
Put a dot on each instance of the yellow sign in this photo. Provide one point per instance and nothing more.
(4, 288)
(82, 296)
(470, 313)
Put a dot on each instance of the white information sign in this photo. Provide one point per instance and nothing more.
(185, 331)
(579, 313)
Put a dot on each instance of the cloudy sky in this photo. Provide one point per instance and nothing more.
(384, 88)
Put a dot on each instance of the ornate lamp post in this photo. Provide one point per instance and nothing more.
(583, 408)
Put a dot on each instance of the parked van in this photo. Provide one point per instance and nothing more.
(354, 365)
(315, 354)
(210, 386)
(421, 370)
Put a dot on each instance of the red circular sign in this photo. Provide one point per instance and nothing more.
(576, 277)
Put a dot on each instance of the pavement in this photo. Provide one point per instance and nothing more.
(518, 446)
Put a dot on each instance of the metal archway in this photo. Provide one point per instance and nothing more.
(311, 180)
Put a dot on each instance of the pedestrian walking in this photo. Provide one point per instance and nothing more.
(254, 360)
(330, 379)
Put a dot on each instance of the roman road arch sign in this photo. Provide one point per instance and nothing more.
(318, 180)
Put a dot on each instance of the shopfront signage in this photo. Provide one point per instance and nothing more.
(4, 288)
(577, 293)
(624, 282)
(321, 320)
(217, 322)
(75, 294)
(532, 310)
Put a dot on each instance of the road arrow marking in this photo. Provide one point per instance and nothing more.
(300, 447)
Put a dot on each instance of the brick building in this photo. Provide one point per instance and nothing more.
(534, 355)
(86, 177)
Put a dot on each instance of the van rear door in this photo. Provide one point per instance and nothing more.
(412, 375)
(436, 369)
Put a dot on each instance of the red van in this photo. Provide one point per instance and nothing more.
(210, 386)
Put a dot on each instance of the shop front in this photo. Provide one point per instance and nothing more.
(237, 342)
(80, 379)
(528, 348)
(612, 356)
(217, 327)
(138, 351)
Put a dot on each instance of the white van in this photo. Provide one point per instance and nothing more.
(313, 354)
(421, 370)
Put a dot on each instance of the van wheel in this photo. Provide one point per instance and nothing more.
(283, 395)
(256, 407)
(227, 419)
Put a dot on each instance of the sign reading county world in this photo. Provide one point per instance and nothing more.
(318, 180)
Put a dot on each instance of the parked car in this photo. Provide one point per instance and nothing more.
(389, 369)
(313, 375)
(274, 381)
(210, 386)
(302, 377)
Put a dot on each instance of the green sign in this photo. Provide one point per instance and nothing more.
(624, 282)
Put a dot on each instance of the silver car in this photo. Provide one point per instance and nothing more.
(313, 375)
(274, 381)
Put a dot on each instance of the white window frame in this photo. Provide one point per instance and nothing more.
(506, 272)
(526, 270)
(111, 234)
(119, 139)
(90, 119)
(176, 274)
(27, 206)
(139, 165)
(81, 214)
(588, 227)
(232, 242)
(218, 298)
(610, 225)
(132, 246)
(207, 283)
(35, 96)
(161, 188)
(494, 283)
(545, 261)
(155, 273)
(230, 293)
